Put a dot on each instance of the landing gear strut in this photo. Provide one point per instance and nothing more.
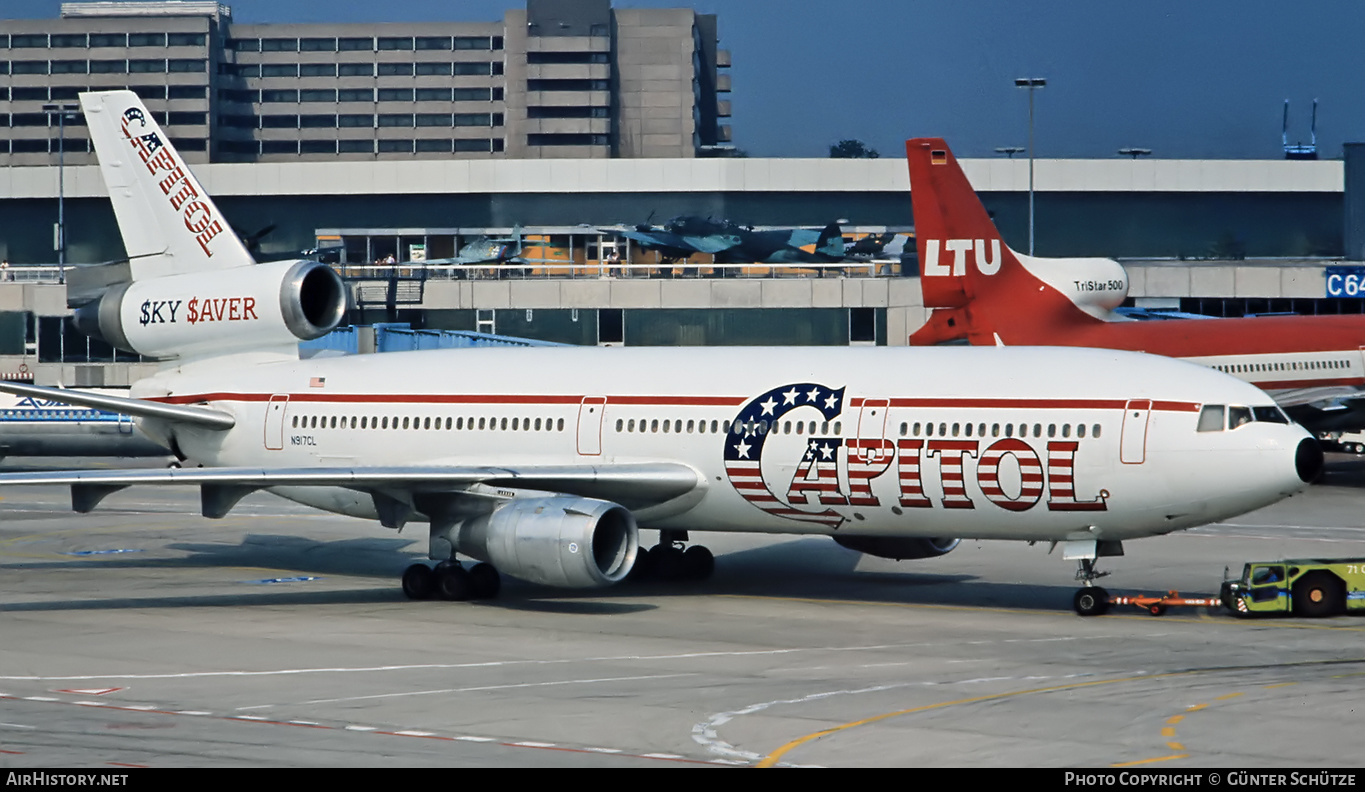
(1091, 600)
(671, 560)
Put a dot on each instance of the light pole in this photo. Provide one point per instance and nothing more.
(1030, 83)
(1009, 151)
(1135, 152)
(61, 111)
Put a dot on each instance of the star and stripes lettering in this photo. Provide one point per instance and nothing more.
(834, 472)
(180, 190)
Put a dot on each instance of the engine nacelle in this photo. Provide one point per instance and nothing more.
(1095, 285)
(243, 308)
(898, 548)
(558, 540)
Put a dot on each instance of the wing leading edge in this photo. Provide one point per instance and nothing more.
(395, 489)
(139, 408)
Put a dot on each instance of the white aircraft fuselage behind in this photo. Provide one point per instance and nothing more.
(1024, 444)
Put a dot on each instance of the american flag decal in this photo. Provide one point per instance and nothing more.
(317, 382)
(749, 432)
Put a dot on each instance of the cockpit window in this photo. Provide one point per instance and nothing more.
(1238, 416)
(1211, 418)
(1271, 414)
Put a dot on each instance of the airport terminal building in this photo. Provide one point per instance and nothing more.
(555, 79)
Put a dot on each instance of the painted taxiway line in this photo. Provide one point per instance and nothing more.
(151, 709)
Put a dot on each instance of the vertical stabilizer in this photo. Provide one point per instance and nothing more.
(983, 290)
(169, 224)
(831, 242)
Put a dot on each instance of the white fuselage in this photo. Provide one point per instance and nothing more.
(1040, 444)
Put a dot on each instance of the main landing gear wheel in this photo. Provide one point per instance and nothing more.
(1091, 601)
(484, 582)
(419, 582)
(668, 560)
(452, 582)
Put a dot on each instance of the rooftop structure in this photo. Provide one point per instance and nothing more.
(559, 78)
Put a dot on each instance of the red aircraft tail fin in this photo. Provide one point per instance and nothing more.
(966, 265)
(960, 250)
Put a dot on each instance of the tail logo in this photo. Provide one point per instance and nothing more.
(180, 192)
(959, 248)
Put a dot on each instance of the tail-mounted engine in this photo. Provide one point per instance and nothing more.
(243, 308)
(1095, 285)
(558, 540)
(898, 548)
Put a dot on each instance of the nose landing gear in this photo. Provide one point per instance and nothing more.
(1091, 600)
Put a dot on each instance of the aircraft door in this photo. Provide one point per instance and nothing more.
(870, 453)
(1133, 444)
(871, 446)
(590, 425)
(275, 411)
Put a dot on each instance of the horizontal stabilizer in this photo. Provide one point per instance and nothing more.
(206, 417)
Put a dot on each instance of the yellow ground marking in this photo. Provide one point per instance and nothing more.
(1168, 731)
(773, 758)
(1150, 761)
(1343, 676)
(1175, 746)
(1228, 696)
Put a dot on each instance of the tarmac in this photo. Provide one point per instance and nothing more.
(145, 635)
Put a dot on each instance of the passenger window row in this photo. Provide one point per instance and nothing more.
(518, 424)
(1294, 365)
(944, 429)
(676, 426)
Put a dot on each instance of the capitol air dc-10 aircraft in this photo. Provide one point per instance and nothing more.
(985, 293)
(544, 463)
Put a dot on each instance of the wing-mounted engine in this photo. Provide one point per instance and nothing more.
(896, 548)
(557, 540)
(1096, 285)
(215, 312)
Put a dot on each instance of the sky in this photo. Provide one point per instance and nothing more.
(1204, 79)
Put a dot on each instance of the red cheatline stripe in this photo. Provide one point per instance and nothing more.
(451, 398)
(1041, 404)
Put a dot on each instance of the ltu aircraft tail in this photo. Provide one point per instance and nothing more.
(170, 226)
(981, 289)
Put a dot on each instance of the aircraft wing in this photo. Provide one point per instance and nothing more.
(141, 408)
(653, 239)
(710, 244)
(1333, 408)
(635, 485)
(1322, 397)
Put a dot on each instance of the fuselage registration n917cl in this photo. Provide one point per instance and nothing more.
(544, 463)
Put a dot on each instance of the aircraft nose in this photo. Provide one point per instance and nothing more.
(1308, 460)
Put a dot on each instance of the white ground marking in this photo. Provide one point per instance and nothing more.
(705, 733)
(15, 726)
(506, 663)
(494, 687)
